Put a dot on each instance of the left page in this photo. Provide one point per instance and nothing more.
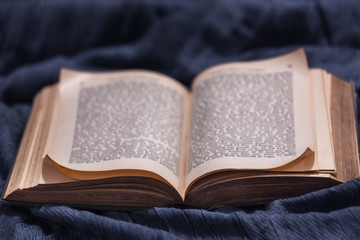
(128, 120)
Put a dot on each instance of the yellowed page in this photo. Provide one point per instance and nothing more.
(250, 115)
(324, 148)
(327, 86)
(131, 120)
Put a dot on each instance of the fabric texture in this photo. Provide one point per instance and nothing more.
(180, 39)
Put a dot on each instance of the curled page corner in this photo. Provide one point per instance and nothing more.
(256, 164)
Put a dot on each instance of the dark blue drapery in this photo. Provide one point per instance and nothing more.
(180, 39)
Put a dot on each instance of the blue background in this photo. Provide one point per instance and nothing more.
(178, 38)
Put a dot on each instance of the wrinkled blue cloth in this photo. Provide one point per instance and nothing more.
(180, 39)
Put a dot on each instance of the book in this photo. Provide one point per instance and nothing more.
(246, 133)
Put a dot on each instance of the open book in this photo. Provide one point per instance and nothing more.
(248, 132)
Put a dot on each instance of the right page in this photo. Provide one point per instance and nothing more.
(251, 115)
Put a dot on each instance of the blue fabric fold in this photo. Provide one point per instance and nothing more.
(180, 39)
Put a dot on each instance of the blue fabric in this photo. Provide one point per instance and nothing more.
(180, 39)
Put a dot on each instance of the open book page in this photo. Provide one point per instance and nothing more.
(326, 77)
(324, 148)
(129, 120)
(253, 115)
